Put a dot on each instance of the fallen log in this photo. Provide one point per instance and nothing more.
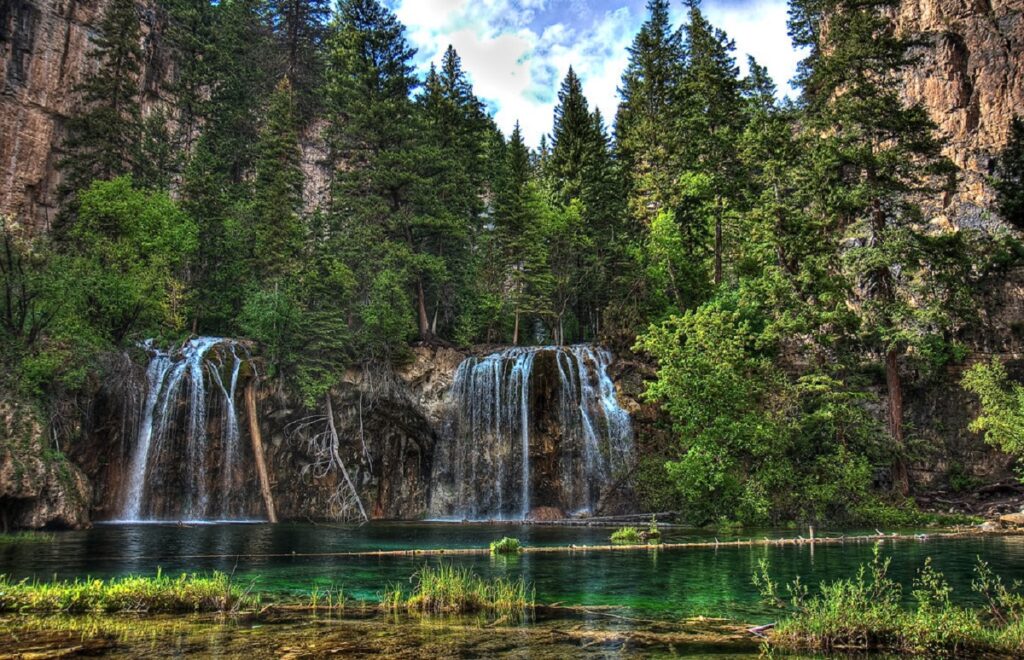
(257, 449)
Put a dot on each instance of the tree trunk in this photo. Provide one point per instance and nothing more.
(900, 477)
(515, 332)
(422, 309)
(718, 251)
(257, 449)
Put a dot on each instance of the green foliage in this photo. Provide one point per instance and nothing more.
(506, 546)
(128, 250)
(103, 138)
(1002, 406)
(756, 444)
(186, 593)
(865, 613)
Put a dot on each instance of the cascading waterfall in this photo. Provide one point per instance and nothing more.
(530, 427)
(176, 466)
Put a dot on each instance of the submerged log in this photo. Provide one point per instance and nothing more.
(257, 450)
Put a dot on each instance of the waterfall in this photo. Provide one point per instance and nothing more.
(530, 427)
(173, 470)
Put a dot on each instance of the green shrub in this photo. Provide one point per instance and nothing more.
(506, 546)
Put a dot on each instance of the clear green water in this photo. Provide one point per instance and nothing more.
(656, 583)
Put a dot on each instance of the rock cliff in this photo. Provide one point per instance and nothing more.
(970, 77)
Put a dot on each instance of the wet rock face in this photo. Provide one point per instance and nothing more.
(38, 488)
(970, 78)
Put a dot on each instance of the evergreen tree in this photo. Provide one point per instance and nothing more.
(1009, 183)
(276, 229)
(520, 221)
(650, 153)
(300, 28)
(376, 131)
(190, 32)
(571, 141)
(454, 136)
(102, 138)
(710, 124)
(873, 154)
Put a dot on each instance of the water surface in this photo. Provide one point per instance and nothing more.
(664, 584)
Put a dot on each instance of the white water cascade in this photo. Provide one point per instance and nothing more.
(172, 473)
(530, 427)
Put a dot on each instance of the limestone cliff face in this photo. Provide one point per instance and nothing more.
(971, 79)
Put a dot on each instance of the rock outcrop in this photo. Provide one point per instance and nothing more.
(970, 78)
(38, 488)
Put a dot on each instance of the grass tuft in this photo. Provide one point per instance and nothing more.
(185, 593)
(626, 536)
(449, 590)
(17, 538)
(506, 546)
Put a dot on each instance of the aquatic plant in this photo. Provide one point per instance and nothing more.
(449, 590)
(506, 546)
(161, 593)
(653, 532)
(865, 613)
(626, 535)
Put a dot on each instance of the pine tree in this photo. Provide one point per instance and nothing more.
(102, 138)
(520, 222)
(1009, 183)
(873, 155)
(190, 32)
(650, 153)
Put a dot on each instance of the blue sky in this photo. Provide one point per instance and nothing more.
(517, 51)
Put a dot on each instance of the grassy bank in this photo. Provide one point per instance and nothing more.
(449, 590)
(185, 593)
(867, 613)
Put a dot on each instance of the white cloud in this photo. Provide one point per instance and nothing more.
(516, 62)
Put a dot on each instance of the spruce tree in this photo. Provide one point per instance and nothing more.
(276, 229)
(376, 134)
(300, 29)
(571, 140)
(872, 156)
(102, 138)
(710, 124)
(648, 149)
